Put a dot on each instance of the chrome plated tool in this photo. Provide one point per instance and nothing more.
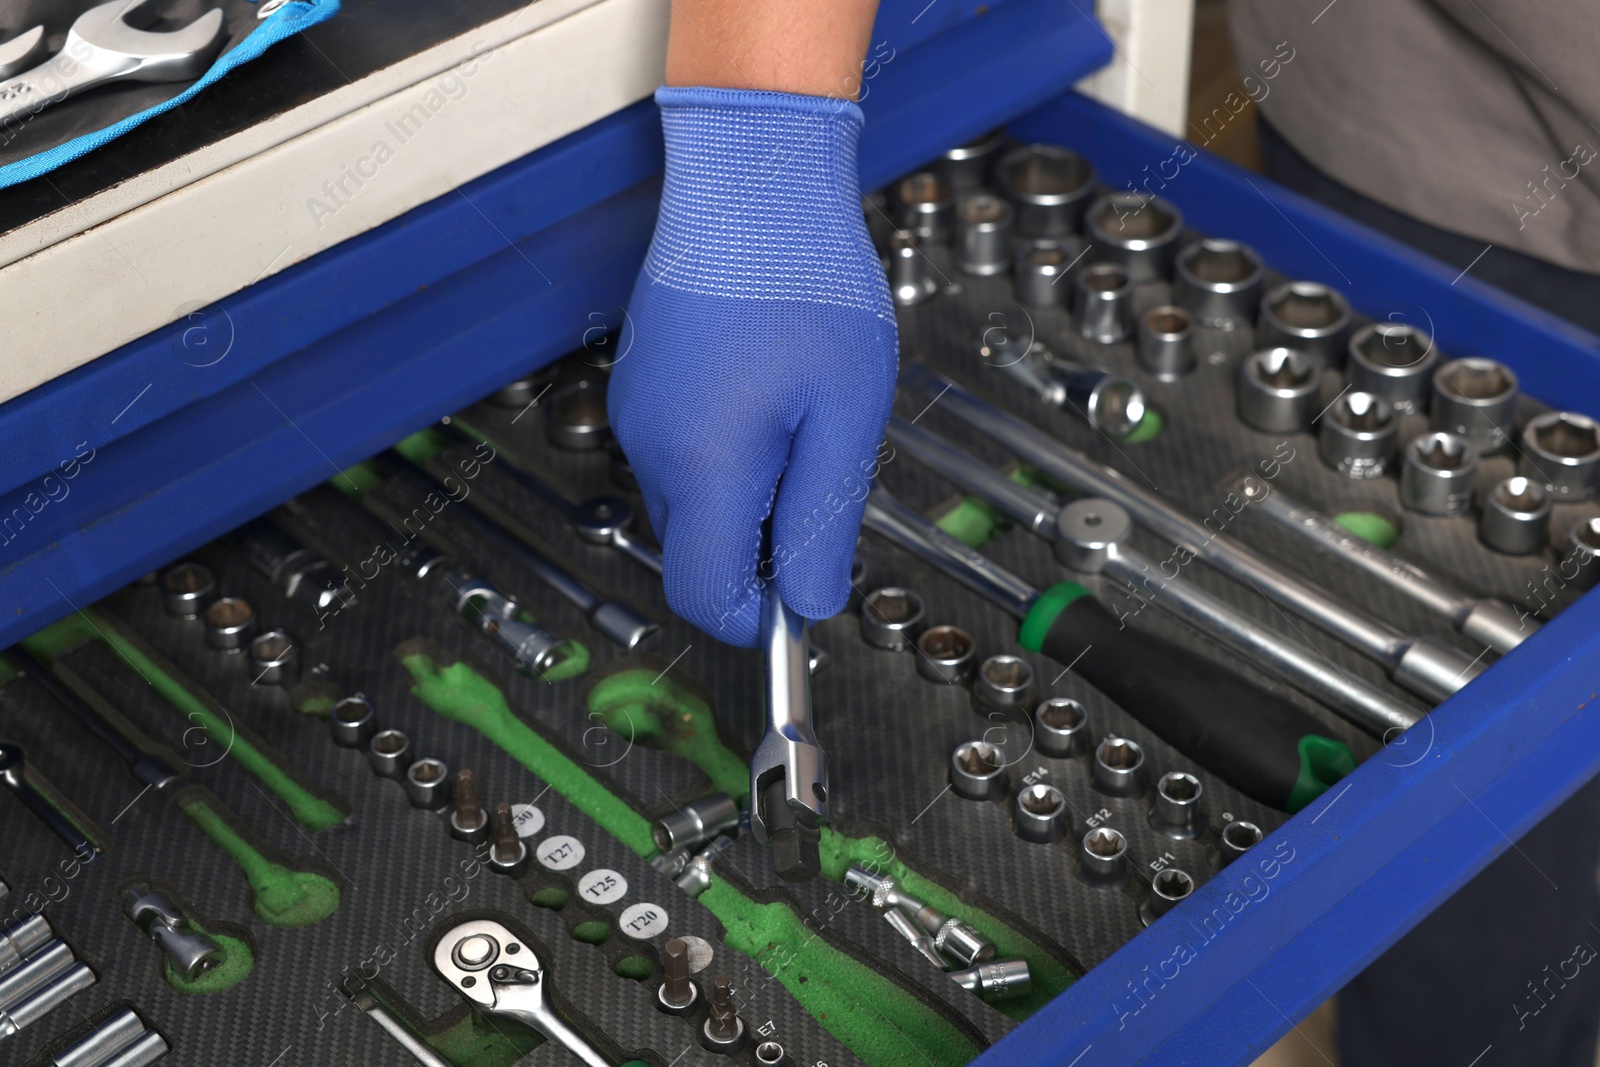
(789, 774)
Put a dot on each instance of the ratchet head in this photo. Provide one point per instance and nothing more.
(491, 967)
(1090, 532)
(789, 774)
(115, 30)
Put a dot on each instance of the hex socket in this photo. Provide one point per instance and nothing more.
(1476, 399)
(1239, 837)
(187, 589)
(1279, 390)
(946, 654)
(1102, 303)
(428, 783)
(983, 234)
(1041, 262)
(1119, 767)
(1358, 436)
(1050, 186)
(1138, 233)
(275, 659)
(576, 419)
(1169, 888)
(1041, 814)
(389, 752)
(1166, 343)
(1003, 682)
(230, 623)
(925, 204)
(1394, 361)
(353, 721)
(1561, 451)
(978, 771)
(1437, 474)
(1061, 728)
(1104, 854)
(1178, 809)
(1583, 552)
(965, 168)
(696, 822)
(911, 279)
(1218, 282)
(1516, 517)
(1308, 316)
(890, 618)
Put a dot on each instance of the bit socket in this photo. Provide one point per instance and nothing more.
(696, 822)
(723, 1031)
(230, 623)
(1308, 316)
(1238, 837)
(468, 820)
(978, 771)
(1219, 283)
(353, 721)
(946, 655)
(1516, 517)
(507, 853)
(1561, 451)
(1476, 399)
(1061, 728)
(188, 589)
(1438, 474)
(891, 618)
(677, 994)
(1119, 767)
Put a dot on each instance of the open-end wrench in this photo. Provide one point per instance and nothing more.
(1494, 622)
(17, 777)
(1422, 664)
(789, 773)
(21, 52)
(105, 44)
(1365, 705)
(494, 969)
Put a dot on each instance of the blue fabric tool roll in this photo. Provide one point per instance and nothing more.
(78, 125)
(758, 356)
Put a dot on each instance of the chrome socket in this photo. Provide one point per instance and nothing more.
(1358, 436)
(353, 721)
(978, 771)
(946, 654)
(1041, 814)
(275, 659)
(1169, 888)
(960, 942)
(1516, 517)
(1583, 552)
(1438, 474)
(1119, 767)
(389, 752)
(1166, 343)
(890, 618)
(576, 419)
(771, 1054)
(1050, 186)
(189, 952)
(230, 623)
(1113, 404)
(1138, 233)
(1102, 303)
(965, 168)
(188, 589)
(1239, 837)
(1476, 399)
(1061, 728)
(428, 784)
(1104, 855)
(983, 234)
(1040, 265)
(1561, 451)
(925, 204)
(1219, 283)
(1003, 682)
(996, 981)
(696, 822)
(1178, 811)
(911, 279)
(1308, 316)
(1394, 361)
(1279, 390)
(524, 392)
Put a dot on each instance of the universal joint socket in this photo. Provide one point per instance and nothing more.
(960, 942)
(996, 980)
(189, 953)
(1438, 474)
(696, 822)
(1561, 451)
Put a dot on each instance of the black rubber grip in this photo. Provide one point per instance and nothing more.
(1265, 747)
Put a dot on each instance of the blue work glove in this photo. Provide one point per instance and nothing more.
(758, 358)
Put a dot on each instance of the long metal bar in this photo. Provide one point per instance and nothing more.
(1424, 665)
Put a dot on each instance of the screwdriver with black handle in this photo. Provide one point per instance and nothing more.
(1267, 748)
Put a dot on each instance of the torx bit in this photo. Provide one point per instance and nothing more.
(724, 1030)
(468, 820)
(916, 935)
(507, 853)
(678, 993)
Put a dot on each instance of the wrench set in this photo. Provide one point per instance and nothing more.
(1162, 545)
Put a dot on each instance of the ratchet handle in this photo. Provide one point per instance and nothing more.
(1263, 746)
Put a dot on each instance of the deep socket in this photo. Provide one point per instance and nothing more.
(925, 205)
(1138, 233)
(1166, 343)
(1219, 283)
(1102, 303)
(1308, 316)
(1358, 434)
(1561, 451)
(911, 279)
(1394, 361)
(1280, 390)
(1477, 399)
(1438, 474)
(1050, 186)
(1061, 728)
(1516, 517)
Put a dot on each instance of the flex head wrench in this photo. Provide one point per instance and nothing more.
(106, 44)
(493, 968)
(789, 774)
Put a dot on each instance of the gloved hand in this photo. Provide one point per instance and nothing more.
(758, 357)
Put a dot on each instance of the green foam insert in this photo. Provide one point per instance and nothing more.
(550, 897)
(973, 522)
(1370, 527)
(319, 706)
(283, 897)
(237, 962)
(649, 708)
(422, 446)
(1149, 428)
(593, 932)
(474, 1042)
(309, 810)
(358, 480)
(572, 660)
(638, 968)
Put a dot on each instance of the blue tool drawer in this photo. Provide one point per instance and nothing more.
(333, 360)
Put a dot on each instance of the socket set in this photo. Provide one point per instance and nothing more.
(419, 768)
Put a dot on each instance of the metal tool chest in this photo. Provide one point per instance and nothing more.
(183, 434)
